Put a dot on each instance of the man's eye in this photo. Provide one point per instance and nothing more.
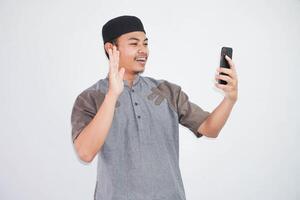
(133, 44)
(146, 44)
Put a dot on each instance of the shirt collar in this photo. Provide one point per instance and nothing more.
(135, 81)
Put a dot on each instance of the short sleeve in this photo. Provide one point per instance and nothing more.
(190, 115)
(84, 110)
(82, 114)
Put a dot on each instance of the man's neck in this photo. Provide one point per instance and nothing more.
(130, 78)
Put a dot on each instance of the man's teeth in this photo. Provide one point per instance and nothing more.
(141, 59)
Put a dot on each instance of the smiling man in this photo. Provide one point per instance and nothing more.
(132, 121)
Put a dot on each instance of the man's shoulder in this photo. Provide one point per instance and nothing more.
(161, 83)
(95, 91)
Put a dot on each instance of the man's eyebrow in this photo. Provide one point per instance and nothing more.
(133, 38)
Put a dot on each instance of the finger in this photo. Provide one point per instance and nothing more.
(121, 72)
(110, 53)
(228, 79)
(217, 80)
(231, 63)
(232, 66)
(115, 55)
(222, 87)
(224, 78)
(117, 58)
(226, 71)
(114, 51)
(112, 68)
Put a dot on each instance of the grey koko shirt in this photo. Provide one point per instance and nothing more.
(140, 157)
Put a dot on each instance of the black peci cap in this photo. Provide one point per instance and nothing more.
(119, 26)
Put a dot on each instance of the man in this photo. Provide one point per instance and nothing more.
(131, 121)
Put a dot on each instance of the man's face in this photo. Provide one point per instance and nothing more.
(134, 51)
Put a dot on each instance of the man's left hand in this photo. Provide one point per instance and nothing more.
(231, 88)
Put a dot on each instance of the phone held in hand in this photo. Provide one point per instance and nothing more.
(223, 62)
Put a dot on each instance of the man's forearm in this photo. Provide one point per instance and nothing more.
(216, 120)
(92, 137)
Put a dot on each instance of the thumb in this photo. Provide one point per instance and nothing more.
(121, 72)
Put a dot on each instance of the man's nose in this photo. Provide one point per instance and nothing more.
(142, 49)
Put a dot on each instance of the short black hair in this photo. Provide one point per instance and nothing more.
(114, 42)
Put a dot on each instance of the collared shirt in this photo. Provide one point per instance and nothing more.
(139, 159)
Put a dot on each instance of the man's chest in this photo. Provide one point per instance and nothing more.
(142, 119)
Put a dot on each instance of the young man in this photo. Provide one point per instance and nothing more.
(131, 121)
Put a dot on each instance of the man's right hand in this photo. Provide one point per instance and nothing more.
(116, 84)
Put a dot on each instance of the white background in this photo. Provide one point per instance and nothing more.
(50, 51)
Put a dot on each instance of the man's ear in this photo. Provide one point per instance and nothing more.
(107, 46)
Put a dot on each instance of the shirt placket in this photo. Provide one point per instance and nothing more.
(139, 118)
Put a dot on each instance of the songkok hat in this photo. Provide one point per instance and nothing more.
(119, 26)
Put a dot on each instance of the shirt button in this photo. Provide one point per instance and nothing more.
(139, 116)
(136, 103)
(132, 90)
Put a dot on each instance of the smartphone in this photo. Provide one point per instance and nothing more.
(223, 62)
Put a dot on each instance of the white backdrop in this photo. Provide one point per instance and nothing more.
(52, 50)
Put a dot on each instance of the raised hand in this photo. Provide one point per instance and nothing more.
(231, 89)
(116, 84)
